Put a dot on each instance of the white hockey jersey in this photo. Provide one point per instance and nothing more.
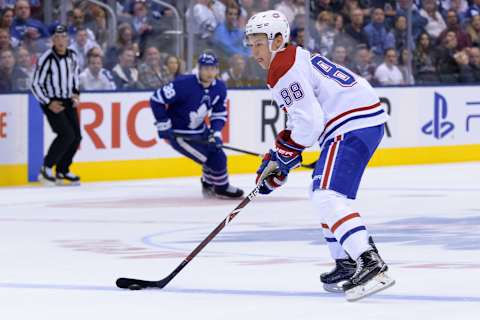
(321, 99)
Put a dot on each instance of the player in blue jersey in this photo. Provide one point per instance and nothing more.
(180, 109)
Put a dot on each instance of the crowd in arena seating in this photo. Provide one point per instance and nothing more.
(368, 36)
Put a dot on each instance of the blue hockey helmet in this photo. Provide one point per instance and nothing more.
(207, 59)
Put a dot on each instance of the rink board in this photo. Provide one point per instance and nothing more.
(426, 125)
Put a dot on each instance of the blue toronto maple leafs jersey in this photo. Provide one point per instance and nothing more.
(187, 103)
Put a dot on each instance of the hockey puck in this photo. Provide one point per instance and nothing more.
(135, 287)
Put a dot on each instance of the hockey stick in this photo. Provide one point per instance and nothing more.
(227, 147)
(303, 165)
(137, 284)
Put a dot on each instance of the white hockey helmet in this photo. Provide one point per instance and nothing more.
(270, 23)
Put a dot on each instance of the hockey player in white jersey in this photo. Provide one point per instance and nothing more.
(327, 104)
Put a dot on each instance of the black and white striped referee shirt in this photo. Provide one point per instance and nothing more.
(55, 77)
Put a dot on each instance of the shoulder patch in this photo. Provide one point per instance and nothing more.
(280, 65)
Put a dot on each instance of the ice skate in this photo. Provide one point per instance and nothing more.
(343, 271)
(370, 277)
(228, 192)
(67, 179)
(46, 177)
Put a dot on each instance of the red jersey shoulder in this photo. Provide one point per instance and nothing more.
(280, 65)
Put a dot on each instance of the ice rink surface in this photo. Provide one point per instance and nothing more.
(62, 249)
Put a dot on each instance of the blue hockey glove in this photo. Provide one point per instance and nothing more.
(288, 153)
(215, 141)
(268, 175)
(164, 129)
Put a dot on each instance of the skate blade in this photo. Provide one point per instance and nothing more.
(66, 183)
(46, 183)
(333, 287)
(376, 284)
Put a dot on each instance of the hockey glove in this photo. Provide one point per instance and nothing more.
(268, 175)
(164, 129)
(272, 182)
(288, 153)
(215, 141)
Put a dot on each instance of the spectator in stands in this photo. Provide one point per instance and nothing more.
(290, 8)
(173, 68)
(423, 63)
(27, 68)
(325, 33)
(462, 38)
(25, 28)
(124, 73)
(351, 5)
(236, 75)
(10, 73)
(5, 40)
(228, 38)
(465, 73)
(247, 9)
(219, 10)
(145, 26)
(82, 45)
(445, 62)
(388, 6)
(459, 6)
(475, 62)
(363, 65)
(95, 77)
(297, 31)
(298, 37)
(435, 24)
(418, 22)
(403, 62)
(473, 9)
(318, 6)
(150, 72)
(339, 56)
(379, 39)
(78, 23)
(400, 34)
(6, 18)
(340, 38)
(96, 51)
(99, 24)
(339, 23)
(124, 40)
(203, 22)
(355, 29)
(473, 30)
(263, 5)
(388, 72)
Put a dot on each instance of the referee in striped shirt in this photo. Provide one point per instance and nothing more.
(55, 85)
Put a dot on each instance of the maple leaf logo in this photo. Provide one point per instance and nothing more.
(197, 117)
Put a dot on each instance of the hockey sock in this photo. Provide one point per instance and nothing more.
(336, 250)
(344, 223)
(216, 178)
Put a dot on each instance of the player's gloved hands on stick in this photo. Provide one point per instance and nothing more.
(215, 141)
(268, 174)
(289, 153)
(277, 164)
(164, 129)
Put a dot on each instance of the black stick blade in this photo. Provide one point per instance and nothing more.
(127, 283)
